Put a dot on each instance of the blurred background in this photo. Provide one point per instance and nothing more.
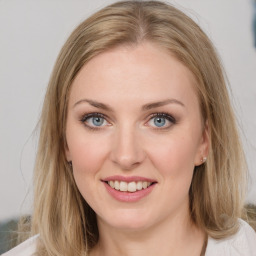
(31, 35)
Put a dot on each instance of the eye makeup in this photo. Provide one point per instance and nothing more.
(161, 121)
(157, 121)
(94, 121)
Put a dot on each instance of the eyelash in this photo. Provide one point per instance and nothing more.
(167, 116)
(87, 116)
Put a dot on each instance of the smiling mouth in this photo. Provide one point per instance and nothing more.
(129, 186)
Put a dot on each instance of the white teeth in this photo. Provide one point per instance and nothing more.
(112, 184)
(139, 185)
(123, 186)
(116, 183)
(144, 184)
(130, 187)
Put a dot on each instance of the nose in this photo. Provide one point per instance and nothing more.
(127, 151)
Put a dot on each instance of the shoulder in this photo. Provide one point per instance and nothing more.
(27, 248)
(243, 243)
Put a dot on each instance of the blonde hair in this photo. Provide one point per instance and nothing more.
(66, 223)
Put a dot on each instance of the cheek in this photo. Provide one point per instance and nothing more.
(174, 157)
(87, 152)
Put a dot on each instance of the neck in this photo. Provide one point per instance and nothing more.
(176, 236)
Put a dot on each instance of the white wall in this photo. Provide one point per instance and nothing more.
(31, 35)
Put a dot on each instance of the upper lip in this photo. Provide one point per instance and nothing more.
(127, 178)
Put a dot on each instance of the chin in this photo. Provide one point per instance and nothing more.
(129, 220)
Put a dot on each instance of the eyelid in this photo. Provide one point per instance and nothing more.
(165, 115)
(85, 117)
(94, 114)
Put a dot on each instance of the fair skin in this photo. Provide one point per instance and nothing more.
(134, 117)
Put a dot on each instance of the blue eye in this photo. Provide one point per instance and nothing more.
(97, 121)
(161, 120)
(94, 120)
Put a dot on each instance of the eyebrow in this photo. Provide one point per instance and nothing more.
(94, 104)
(144, 107)
(161, 103)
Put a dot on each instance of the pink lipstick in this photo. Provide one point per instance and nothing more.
(128, 189)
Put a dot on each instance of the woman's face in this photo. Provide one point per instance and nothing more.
(134, 134)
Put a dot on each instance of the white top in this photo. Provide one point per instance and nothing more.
(27, 248)
(243, 243)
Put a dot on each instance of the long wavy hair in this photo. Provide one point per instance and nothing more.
(66, 223)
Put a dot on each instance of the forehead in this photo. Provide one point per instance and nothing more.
(144, 72)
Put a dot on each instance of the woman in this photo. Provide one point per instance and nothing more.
(139, 152)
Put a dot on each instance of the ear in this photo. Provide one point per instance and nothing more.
(203, 147)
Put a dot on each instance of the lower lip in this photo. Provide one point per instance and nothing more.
(129, 196)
